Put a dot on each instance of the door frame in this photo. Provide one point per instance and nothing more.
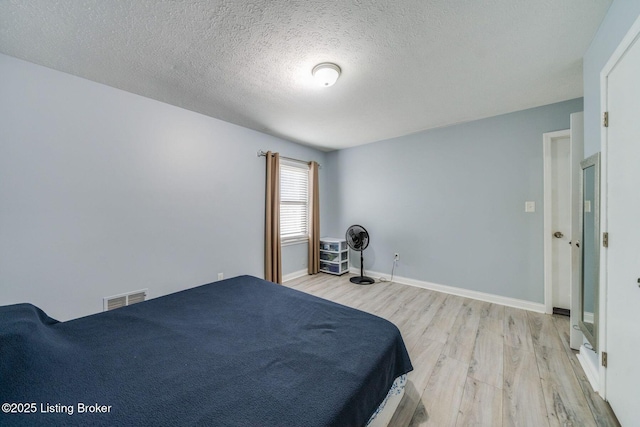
(547, 140)
(616, 56)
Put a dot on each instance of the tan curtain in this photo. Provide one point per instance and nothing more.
(314, 220)
(272, 253)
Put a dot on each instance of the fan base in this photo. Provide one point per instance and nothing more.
(362, 280)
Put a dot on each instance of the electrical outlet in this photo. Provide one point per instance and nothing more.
(396, 256)
(220, 276)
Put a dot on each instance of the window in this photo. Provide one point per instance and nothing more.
(294, 201)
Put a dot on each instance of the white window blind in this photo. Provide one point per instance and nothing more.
(294, 201)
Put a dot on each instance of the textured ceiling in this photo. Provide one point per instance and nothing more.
(407, 65)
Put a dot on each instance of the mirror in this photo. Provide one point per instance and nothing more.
(590, 265)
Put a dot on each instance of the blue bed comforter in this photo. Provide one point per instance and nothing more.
(240, 352)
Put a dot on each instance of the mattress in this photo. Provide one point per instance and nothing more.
(239, 352)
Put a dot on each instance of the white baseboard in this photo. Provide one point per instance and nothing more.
(294, 275)
(467, 293)
(590, 371)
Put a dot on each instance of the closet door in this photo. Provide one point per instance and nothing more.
(623, 225)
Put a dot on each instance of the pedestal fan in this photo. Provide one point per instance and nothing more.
(358, 240)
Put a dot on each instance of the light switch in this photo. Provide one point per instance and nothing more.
(587, 205)
(529, 206)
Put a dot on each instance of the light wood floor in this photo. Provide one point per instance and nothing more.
(475, 363)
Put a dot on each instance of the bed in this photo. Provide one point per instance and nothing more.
(239, 352)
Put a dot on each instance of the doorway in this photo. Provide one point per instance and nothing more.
(557, 221)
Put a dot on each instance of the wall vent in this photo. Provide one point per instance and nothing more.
(117, 301)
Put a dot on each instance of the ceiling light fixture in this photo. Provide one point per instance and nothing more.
(326, 73)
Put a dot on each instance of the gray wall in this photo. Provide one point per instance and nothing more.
(621, 15)
(104, 192)
(295, 256)
(451, 201)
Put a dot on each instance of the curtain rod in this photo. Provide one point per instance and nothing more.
(262, 153)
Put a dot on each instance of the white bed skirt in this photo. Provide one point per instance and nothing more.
(387, 408)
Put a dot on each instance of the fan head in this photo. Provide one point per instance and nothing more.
(357, 238)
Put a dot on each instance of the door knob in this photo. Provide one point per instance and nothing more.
(558, 235)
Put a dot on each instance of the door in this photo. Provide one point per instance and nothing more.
(577, 153)
(623, 225)
(561, 223)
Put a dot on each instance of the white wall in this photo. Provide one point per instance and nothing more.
(451, 201)
(103, 192)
